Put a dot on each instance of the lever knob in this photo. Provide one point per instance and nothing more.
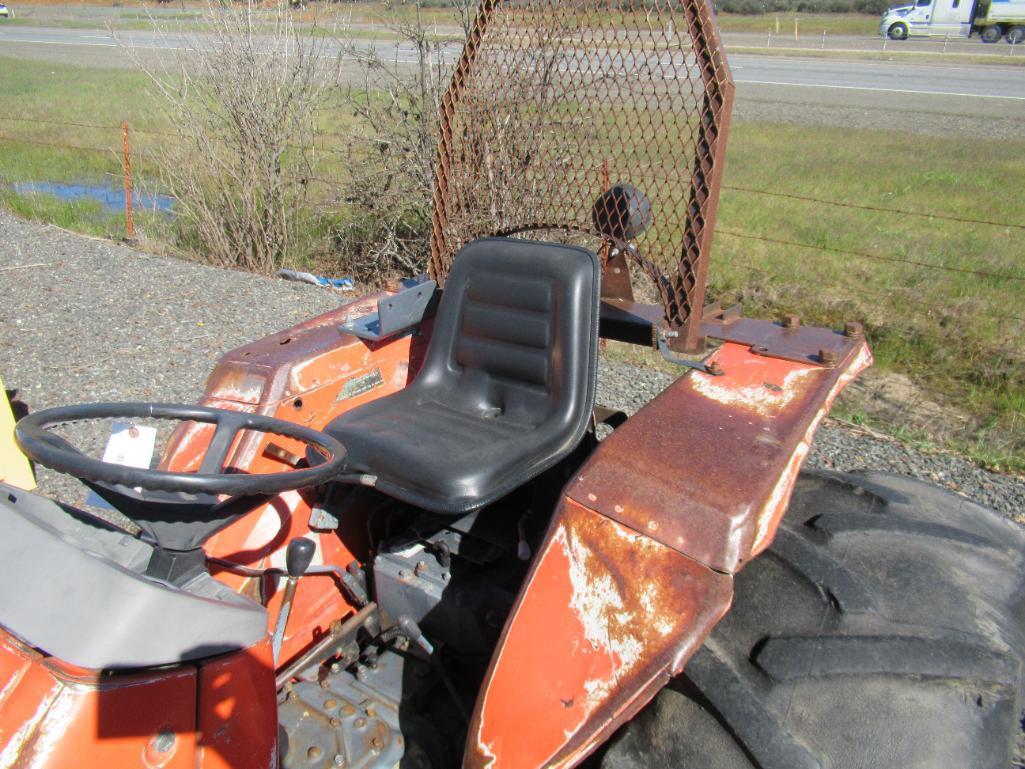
(298, 556)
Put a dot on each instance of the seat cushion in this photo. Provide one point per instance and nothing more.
(507, 386)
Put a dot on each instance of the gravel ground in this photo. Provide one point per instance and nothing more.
(87, 320)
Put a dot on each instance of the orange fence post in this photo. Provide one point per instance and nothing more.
(129, 224)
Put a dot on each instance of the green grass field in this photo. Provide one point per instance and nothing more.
(942, 300)
(949, 315)
(782, 24)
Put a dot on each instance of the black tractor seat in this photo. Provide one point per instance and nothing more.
(507, 385)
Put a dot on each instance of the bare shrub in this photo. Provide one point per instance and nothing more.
(241, 98)
(392, 157)
(391, 152)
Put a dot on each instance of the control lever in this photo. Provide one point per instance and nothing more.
(522, 547)
(298, 557)
(413, 632)
(353, 588)
(408, 627)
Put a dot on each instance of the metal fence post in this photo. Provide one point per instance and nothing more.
(129, 223)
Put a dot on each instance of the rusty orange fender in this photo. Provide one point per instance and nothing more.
(637, 565)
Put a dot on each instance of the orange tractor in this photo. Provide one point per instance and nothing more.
(404, 533)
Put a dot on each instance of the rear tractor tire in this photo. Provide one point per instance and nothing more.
(991, 34)
(898, 31)
(885, 627)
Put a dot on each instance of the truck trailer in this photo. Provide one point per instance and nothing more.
(990, 19)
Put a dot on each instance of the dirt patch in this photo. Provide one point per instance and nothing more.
(892, 398)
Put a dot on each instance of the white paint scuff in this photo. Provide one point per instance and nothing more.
(753, 397)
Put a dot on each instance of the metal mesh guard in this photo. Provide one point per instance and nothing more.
(554, 103)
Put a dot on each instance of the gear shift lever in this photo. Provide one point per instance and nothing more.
(298, 556)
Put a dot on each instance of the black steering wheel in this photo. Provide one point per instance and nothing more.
(178, 510)
(54, 452)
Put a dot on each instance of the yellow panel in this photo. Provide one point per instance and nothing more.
(14, 467)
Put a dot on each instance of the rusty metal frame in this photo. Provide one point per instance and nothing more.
(717, 107)
(697, 87)
(440, 252)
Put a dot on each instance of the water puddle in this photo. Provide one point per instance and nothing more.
(110, 197)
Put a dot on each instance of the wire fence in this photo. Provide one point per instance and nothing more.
(117, 148)
(954, 323)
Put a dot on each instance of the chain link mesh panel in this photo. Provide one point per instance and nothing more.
(597, 121)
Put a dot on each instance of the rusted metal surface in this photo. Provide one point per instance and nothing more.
(638, 564)
(615, 278)
(788, 339)
(604, 619)
(710, 152)
(707, 467)
(637, 323)
(603, 125)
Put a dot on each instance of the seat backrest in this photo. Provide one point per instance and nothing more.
(516, 333)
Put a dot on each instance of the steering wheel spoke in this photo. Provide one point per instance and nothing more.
(229, 425)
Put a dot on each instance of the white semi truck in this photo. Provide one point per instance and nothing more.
(991, 19)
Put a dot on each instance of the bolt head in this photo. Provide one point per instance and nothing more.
(791, 321)
(163, 742)
(853, 330)
(829, 357)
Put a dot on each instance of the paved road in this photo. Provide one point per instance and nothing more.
(810, 39)
(991, 82)
(968, 99)
(972, 81)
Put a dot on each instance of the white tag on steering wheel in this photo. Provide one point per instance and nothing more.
(129, 445)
